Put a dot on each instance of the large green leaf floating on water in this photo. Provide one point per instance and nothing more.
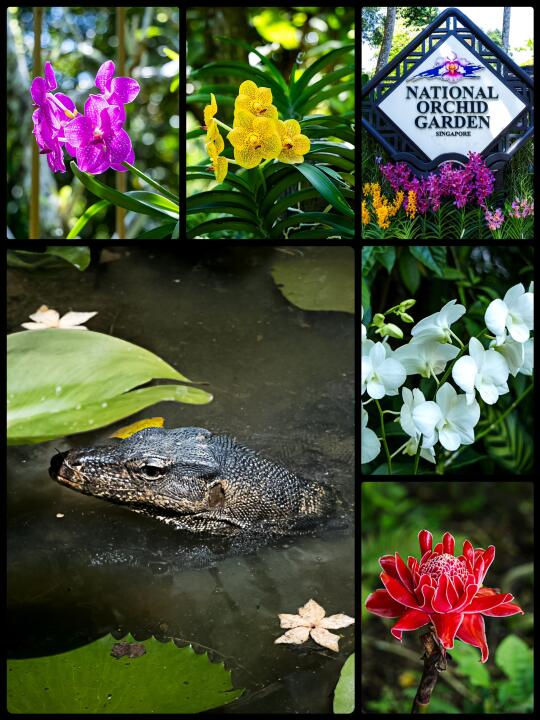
(62, 382)
(165, 679)
(344, 692)
(318, 278)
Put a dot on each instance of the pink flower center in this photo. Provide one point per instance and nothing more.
(444, 564)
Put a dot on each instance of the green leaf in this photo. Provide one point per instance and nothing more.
(329, 79)
(88, 215)
(278, 77)
(333, 91)
(388, 258)
(176, 232)
(114, 196)
(344, 692)
(326, 187)
(158, 202)
(320, 279)
(62, 382)
(90, 680)
(245, 72)
(55, 256)
(408, 269)
(515, 659)
(508, 443)
(366, 299)
(427, 256)
(224, 224)
(316, 67)
(231, 197)
(175, 82)
(341, 224)
(158, 233)
(171, 54)
(467, 659)
(282, 205)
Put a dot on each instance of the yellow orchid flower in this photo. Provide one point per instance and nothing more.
(255, 100)
(253, 139)
(210, 111)
(213, 137)
(294, 145)
(220, 164)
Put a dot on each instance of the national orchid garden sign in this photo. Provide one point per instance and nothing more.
(449, 92)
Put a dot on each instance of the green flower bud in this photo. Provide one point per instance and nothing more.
(406, 317)
(378, 320)
(391, 330)
(406, 304)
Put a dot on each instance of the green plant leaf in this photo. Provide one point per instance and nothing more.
(54, 256)
(158, 202)
(224, 224)
(508, 443)
(90, 680)
(515, 659)
(62, 382)
(427, 256)
(114, 196)
(466, 658)
(320, 279)
(158, 233)
(408, 269)
(278, 77)
(329, 79)
(243, 70)
(279, 207)
(326, 187)
(176, 232)
(86, 216)
(316, 67)
(388, 258)
(344, 692)
(341, 224)
(333, 91)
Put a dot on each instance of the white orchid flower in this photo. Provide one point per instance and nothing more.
(380, 375)
(514, 312)
(513, 352)
(410, 401)
(437, 326)
(528, 360)
(371, 445)
(425, 356)
(44, 318)
(485, 370)
(451, 416)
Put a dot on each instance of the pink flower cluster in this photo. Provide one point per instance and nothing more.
(474, 181)
(521, 208)
(494, 219)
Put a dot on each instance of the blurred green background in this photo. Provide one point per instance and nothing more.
(486, 513)
(289, 37)
(76, 41)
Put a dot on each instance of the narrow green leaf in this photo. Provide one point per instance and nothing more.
(316, 67)
(158, 233)
(424, 255)
(325, 186)
(158, 202)
(219, 196)
(329, 79)
(116, 198)
(281, 206)
(223, 224)
(244, 71)
(195, 133)
(269, 64)
(86, 217)
(333, 91)
(408, 269)
(176, 231)
(329, 219)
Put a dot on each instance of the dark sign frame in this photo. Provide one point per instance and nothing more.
(401, 147)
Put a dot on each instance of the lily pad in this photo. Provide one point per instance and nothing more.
(55, 256)
(344, 692)
(96, 679)
(62, 382)
(322, 278)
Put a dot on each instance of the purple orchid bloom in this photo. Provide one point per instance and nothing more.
(98, 138)
(116, 91)
(52, 114)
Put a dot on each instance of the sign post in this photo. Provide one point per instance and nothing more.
(449, 92)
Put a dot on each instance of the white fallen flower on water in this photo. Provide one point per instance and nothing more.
(437, 326)
(44, 318)
(485, 370)
(311, 621)
(515, 312)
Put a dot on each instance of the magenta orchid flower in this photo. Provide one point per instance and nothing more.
(99, 140)
(116, 91)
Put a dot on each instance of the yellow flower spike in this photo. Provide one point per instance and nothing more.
(213, 137)
(254, 139)
(210, 111)
(255, 100)
(294, 145)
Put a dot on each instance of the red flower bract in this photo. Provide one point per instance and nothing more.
(443, 590)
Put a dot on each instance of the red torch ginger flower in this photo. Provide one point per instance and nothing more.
(443, 590)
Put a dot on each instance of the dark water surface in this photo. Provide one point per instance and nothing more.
(283, 384)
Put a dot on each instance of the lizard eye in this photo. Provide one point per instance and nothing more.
(152, 471)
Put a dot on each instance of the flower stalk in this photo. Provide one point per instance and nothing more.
(434, 657)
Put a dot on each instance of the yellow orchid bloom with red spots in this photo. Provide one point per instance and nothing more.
(220, 164)
(213, 137)
(254, 139)
(255, 100)
(210, 111)
(294, 145)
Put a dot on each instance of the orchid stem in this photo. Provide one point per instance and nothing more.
(383, 433)
(417, 456)
(226, 127)
(151, 182)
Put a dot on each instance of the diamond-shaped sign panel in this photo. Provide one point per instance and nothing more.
(451, 101)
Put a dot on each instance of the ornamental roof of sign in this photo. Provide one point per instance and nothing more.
(450, 59)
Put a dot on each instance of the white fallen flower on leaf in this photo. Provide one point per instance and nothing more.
(311, 621)
(44, 318)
